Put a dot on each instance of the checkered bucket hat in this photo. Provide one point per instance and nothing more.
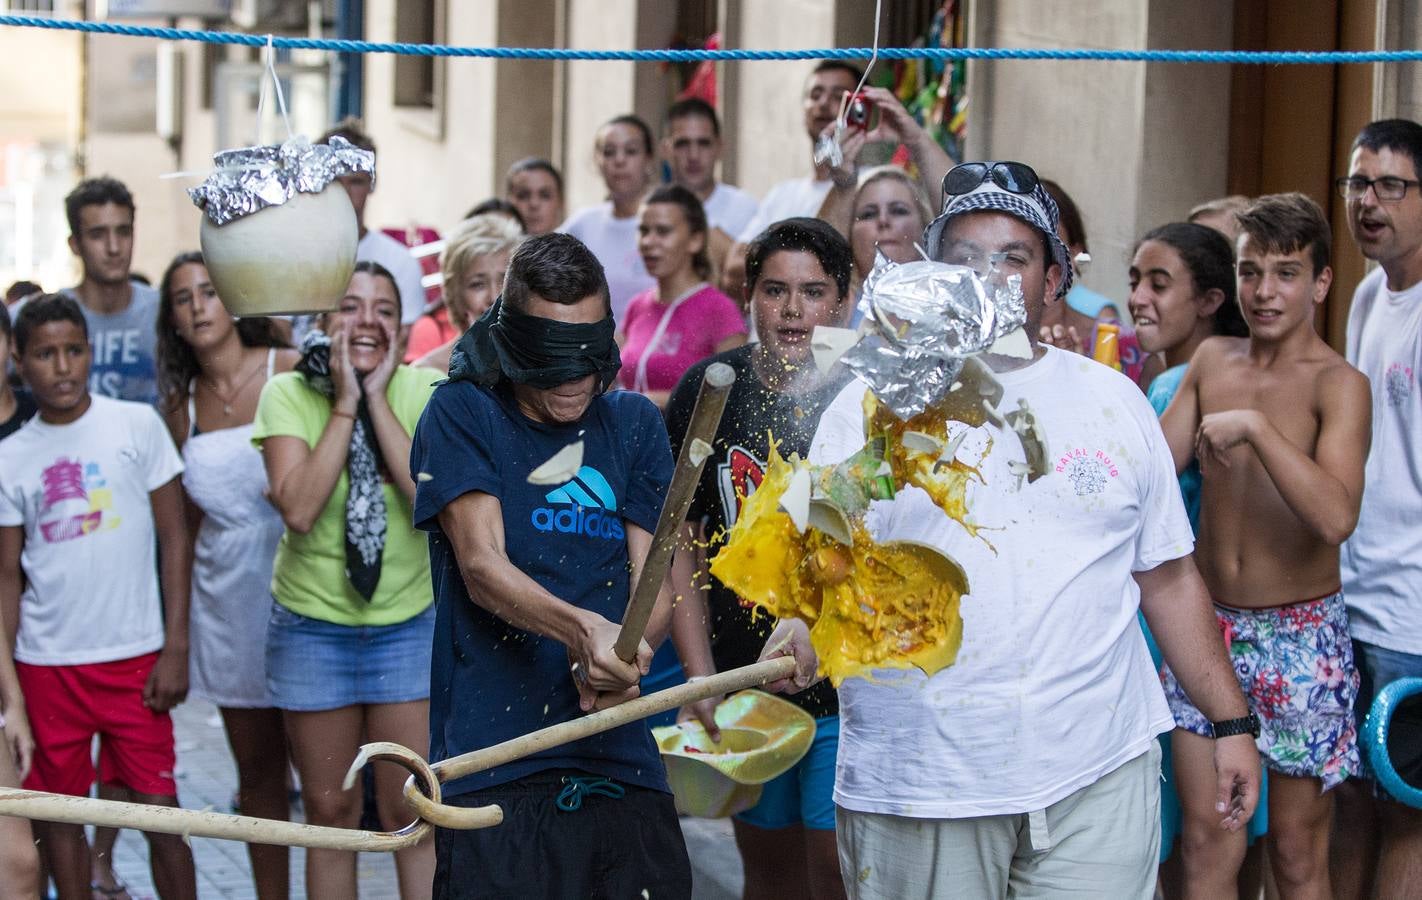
(1036, 208)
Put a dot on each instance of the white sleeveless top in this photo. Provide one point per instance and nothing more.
(232, 562)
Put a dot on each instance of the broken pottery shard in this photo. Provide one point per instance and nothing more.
(951, 450)
(1015, 344)
(796, 499)
(919, 442)
(561, 467)
(831, 520)
(1034, 442)
(828, 344)
(698, 451)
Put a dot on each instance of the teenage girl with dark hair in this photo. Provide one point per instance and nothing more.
(211, 370)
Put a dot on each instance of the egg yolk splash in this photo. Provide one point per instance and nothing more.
(869, 604)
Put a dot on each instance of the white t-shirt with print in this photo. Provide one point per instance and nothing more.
(1053, 687)
(81, 492)
(1382, 561)
(614, 242)
(379, 247)
(729, 208)
(790, 198)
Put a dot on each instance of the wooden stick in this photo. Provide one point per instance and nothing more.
(202, 823)
(753, 675)
(695, 447)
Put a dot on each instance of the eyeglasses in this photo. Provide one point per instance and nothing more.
(1388, 188)
(1013, 177)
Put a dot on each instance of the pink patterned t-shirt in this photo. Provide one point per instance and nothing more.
(697, 324)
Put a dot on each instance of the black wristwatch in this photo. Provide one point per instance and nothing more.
(1229, 727)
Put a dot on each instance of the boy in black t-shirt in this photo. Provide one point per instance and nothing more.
(797, 277)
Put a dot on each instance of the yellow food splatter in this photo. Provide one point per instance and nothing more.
(945, 481)
(868, 605)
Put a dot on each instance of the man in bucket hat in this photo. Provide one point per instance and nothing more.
(1031, 764)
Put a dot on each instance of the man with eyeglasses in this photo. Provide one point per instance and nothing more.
(1030, 767)
(1377, 841)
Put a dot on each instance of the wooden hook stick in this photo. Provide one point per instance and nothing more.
(726, 682)
(695, 447)
(203, 823)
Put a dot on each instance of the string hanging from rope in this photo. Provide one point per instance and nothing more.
(947, 54)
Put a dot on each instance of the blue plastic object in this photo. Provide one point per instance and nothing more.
(1375, 740)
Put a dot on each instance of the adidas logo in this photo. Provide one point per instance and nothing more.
(586, 506)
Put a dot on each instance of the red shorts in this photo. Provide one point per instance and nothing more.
(69, 705)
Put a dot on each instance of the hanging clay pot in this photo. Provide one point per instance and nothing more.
(293, 258)
(279, 233)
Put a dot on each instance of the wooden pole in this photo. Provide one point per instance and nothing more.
(726, 682)
(695, 447)
(203, 823)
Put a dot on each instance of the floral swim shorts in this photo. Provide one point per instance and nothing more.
(1295, 665)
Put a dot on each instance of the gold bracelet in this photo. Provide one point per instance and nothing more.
(337, 412)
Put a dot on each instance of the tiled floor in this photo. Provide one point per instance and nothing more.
(207, 778)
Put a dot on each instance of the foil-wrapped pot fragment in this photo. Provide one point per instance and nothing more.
(921, 320)
(249, 179)
(828, 149)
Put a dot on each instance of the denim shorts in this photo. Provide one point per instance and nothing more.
(805, 794)
(314, 665)
(1380, 667)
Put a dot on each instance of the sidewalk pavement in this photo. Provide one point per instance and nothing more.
(207, 779)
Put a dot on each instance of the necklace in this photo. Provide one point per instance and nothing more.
(227, 401)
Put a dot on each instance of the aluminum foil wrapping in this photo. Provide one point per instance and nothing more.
(249, 179)
(828, 148)
(921, 320)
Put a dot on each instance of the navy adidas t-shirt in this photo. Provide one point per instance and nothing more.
(490, 681)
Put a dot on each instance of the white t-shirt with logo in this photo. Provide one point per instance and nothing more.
(1382, 562)
(379, 247)
(729, 208)
(81, 492)
(790, 198)
(614, 242)
(1053, 687)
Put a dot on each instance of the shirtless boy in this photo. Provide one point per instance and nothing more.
(1281, 425)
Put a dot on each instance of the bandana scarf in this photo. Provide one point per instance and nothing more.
(365, 501)
(532, 350)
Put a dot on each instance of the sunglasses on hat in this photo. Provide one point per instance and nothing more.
(1013, 177)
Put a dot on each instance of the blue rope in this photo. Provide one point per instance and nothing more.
(946, 54)
(576, 787)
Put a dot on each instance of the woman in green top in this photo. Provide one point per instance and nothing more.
(348, 644)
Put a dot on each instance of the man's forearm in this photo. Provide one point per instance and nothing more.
(1177, 607)
(498, 586)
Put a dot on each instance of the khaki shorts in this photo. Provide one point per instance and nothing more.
(1102, 841)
